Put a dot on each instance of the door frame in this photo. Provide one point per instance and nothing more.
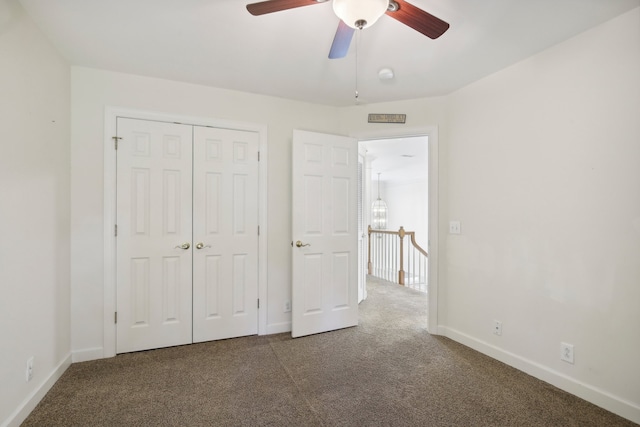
(431, 132)
(110, 117)
(364, 200)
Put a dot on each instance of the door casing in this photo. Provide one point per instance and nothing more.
(432, 133)
(111, 114)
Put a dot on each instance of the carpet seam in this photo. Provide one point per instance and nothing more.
(295, 384)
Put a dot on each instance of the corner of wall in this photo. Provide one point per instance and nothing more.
(87, 354)
(24, 409)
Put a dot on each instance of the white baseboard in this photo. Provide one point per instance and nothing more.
(595, 395)
(22, 412)
(87, 354)
(278, 328)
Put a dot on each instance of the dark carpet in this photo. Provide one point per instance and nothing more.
(388, 371)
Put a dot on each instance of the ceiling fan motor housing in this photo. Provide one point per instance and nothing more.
(360, 13)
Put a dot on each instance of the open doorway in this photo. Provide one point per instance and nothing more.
(395, 202)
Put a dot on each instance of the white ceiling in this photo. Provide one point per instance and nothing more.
(398, 159)
(218, 43)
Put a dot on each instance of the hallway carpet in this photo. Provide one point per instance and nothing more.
(388, 371)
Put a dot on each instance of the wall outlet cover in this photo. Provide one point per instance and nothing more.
(29, 373)
(566, 352)
(497, 327)
(454, 227)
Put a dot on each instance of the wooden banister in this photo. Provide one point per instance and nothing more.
(400, 266)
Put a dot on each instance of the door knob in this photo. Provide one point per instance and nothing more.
(299, 244)
(201, 245)
(184, 246)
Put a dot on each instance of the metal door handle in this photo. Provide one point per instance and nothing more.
(184, 246)
(299, 244)
(202, 245)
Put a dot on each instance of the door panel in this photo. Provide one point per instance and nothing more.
(153, 219)
(325, 277)
(225, 287)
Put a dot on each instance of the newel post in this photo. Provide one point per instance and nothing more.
(401, 233)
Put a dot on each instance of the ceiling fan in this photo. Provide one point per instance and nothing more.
(359, 14)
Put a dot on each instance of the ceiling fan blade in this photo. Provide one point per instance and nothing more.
(271, 6)
(418, 19)
(341, 41)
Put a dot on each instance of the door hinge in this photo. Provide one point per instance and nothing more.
(258, 230)
(115, 317)
(115, 141)
(258, 302)
(258, 156)
(115, 230)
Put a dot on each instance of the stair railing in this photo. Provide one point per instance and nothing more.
(393, 258)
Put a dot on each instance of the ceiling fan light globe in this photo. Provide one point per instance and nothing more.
(352, 12)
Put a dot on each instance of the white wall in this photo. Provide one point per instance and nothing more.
(541, 164)
(408, 205)
(34, 213)
(92, 91)
(544, 174)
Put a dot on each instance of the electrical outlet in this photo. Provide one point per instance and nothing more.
(497, 327)
(287, 306)
(566, 352)
(454, 227)
(29, 373)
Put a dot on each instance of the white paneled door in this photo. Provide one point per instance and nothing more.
(153, 235)
(225, 229)
(187, 242)
(325, 233)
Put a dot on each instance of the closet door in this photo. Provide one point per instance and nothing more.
(154, 190)
(225, 233)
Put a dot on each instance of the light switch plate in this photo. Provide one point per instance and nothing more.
(454, 227)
